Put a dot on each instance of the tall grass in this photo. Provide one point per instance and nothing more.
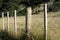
(37, 27)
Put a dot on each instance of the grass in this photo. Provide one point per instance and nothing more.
(37, 27)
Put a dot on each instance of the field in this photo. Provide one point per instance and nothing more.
(37, 27)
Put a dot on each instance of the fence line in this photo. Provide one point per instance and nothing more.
(3, 21)
(8, 20)
(45, 21)
(15, 24)
(28, 21)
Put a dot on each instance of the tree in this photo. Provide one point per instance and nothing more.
(6, 5)
(10, 5)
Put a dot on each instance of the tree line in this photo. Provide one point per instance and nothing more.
(19, 5)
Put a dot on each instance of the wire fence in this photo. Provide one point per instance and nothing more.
(28, 22)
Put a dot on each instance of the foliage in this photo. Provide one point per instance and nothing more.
(54, 7)
(22, 10)
(10, 5)
(0, 3)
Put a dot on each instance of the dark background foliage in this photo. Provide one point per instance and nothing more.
(20, 6)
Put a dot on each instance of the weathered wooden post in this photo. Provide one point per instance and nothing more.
(3, 21)
(8, 20)
(15, 24)
(28, 22)
(45, 21)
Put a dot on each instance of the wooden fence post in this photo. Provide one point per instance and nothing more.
(15, 24)
(8, 20)
(3, 21)
(28, 22)
(45, 21)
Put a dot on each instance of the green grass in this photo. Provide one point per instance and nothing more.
(37, 27)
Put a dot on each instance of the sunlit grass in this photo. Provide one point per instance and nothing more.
(37, 27)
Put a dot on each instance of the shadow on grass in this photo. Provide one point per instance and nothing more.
(5, 36)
